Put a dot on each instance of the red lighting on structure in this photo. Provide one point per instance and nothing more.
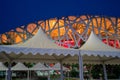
(113, 43)
(69, 43)
(66, 43)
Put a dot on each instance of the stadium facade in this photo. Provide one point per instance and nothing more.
(69, 31)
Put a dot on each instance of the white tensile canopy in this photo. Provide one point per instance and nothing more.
(3, 67)
(19, 67)
(39, 67)
(95, 51)
(38, 48)
(57, 66)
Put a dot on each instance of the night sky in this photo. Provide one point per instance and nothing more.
(15, 13)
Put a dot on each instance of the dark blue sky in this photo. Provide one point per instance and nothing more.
(14, 13)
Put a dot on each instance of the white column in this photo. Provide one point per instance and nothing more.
(61, 71)
(105, 72)
(9, 72)
(48, 74)
(28, 76)
(80, 67)
(68, 74)
(6, 75)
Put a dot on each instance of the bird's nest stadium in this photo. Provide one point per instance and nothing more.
(69, 31)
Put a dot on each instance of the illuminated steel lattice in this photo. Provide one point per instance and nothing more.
(69, 31)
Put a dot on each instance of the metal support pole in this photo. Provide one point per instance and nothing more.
(28, 75)
(105, 72)
(48, 74)
(61, 70)
(80, 67)
(6, 75)
(9, 72)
